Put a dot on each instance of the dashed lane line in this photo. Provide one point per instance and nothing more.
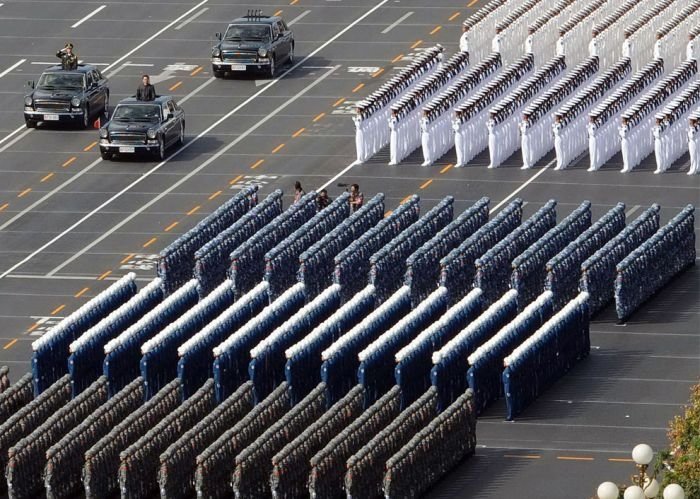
(397, 22)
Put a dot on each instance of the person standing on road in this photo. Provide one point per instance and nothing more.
(146, 91)
(464, 39)
(323, 200)
(356, 198)
(69, 61)
(298, 191)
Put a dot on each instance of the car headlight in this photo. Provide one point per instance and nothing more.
(151, 133)
(104, 133)
(262, 52)
(216, 53)
(28, 101)
(75, 102)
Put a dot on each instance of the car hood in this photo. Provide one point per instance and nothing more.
(130, 126)
(241, 45)
(54, 94)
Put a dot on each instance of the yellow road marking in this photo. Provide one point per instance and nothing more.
(175, 86)
(446, 168)
(233, 181)
(47, 177)
(388, 213)
(454, 16)
(127, 258)
(397, 58)
(472, 3)
(215, 195)
(196, 71)
(192, 211)
(377, 73)
(572, 458)
(90, 146)
(358, 87)
(293, 2)
(277, 13)
(339, 102)
(522, 456)
(318, 117)
(416, 44)
(406, 199)
(9, 345)
(435, 30)
(67, 163)
(298, 132)
(81, 292)
(24, 192)
(254, 166)
(4, 207)
(171, 226)
(277, 149)
(620, 460)
(33, 327)
(104, 275)
(58, 309)
(150, 241)
(426, 183)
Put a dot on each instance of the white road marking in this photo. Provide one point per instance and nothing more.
(187, 145)
(192, 18)
(143, 43)
(632, 210)
(397, 22)
(98, 9)
(82, 172)
(16, 139)
(340, 174)
(177, 184)
(15, 65)
(317, 67)
(525, 184)
(260, 83)
(299, 17)
(115, 71)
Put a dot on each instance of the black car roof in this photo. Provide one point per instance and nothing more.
(158, 100)
(82, 68)
(256, 20)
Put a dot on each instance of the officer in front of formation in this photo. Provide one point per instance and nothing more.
(69, 61)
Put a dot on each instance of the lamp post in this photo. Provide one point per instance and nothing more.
(643, 485)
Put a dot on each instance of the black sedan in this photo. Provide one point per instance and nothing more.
(143, 126)
(67, 96)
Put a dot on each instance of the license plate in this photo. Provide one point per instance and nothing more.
(126, 149)
(238, 67)
(50, 117)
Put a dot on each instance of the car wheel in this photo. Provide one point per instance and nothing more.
(107, 156)
(181, 137)
(160, 153)
(30, 123)
(86, 117)
(271, 71)
(218, 73)
(291, 55)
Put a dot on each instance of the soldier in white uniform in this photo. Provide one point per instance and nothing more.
(627, 47)
(464, 39)
(593, 45)
(496, 42)
(529, 41)
(560, 45)
(658, 48)
(693, 146)
(690, 48)
(625, 143)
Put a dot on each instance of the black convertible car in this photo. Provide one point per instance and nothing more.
(254, 42)
(60, 95)
(143, 126)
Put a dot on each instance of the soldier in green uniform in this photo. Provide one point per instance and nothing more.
(69, 60)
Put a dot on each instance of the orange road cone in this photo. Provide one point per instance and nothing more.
(96, 124)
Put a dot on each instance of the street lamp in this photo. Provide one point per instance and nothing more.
(644, 486)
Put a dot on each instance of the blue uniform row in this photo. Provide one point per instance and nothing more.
(176, 261)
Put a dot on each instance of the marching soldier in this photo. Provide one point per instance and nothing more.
(69, 61)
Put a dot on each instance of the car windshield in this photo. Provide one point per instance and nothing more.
(241, 32)
(137, 112)
(61, 80)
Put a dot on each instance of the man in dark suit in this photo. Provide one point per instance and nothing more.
(146, 91)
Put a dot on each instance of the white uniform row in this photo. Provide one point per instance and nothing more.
(372, 114)
(694, 142)
(504, 117)
(544, 31)
(536, 126)
(608, 34)
(639, 36)
(437, 136)
(575, 33)
(603, 137)
(478, 30)
(637, 121)
(404, 124)
(570, 134)
(511, 31)
(672, 38)
(671, 129)
(471, 137)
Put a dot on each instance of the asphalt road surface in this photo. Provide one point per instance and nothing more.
(71, 223)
